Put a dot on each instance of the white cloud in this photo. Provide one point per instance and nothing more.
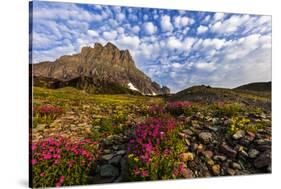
(177, 65)
(206, 19)
(202, 29)
(66, 12)
(120, 30)
(180, 21)
(213, 43)
(145, 17)
(53, 53)
(240, 48)
(205, 66)
(129, 42)
(173, 75)
(120, 16)
(173, 43)
(149, 28)
(218, 16)
(136, 29)
(237, 52)
(93, 33)
(166, 24)
(188, 43)
(109, 35)
(233, 24)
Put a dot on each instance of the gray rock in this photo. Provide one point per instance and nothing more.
(219, 158)
(215, 121)
(107, 142)
(231, 171)
(239, 134)
(264, 160)
(123, 170)
(263, 142)
(194, 146)
(215, 129)
(188, 132)
(115, 147)
(227, 150)
(253, 153)
(236, 166)
(208, 154)
(115, 160)
(244, 154)
(107, 157)
(205, 137)
(107, 151)
(121, 152)
(109, 171)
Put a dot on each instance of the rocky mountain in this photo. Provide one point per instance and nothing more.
(98, 69)
(259, 86)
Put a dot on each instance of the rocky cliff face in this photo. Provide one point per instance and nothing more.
(96, 70)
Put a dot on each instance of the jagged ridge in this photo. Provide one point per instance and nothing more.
(101, 65)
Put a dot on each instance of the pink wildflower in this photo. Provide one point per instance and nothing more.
(33, 161)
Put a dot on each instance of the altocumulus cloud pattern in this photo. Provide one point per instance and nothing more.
(175, 48)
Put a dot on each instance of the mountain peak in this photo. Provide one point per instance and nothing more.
(98, 46)
(100, 64)
(110, 45)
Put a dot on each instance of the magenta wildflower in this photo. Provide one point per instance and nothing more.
(33, 161)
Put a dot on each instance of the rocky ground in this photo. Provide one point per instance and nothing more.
(216, 145)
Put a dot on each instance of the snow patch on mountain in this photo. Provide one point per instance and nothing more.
(132, 87)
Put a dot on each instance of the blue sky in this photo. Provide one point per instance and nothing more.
(175, 48)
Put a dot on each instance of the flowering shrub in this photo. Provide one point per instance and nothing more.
(242, 123)
(180, 170)
(222, 109)
(48, 110)
(177, 108)
(45, 114)
(154, 149)
(58, 162)
(156, 110)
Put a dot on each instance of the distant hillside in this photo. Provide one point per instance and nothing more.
(259, 86)
(207, 94)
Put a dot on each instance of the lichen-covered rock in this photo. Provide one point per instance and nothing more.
(206, 137)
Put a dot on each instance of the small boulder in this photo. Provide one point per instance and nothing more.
(206, 137)
(208, 154)
(216, 169)
(121, 152)
(107, 157)
(219, 158)
(228, 151)
(231, 171)
(115, 160)
(109, 171)
(253, 153)
(239, 134)
(264, 160)
(186, 157)
(236, 166)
